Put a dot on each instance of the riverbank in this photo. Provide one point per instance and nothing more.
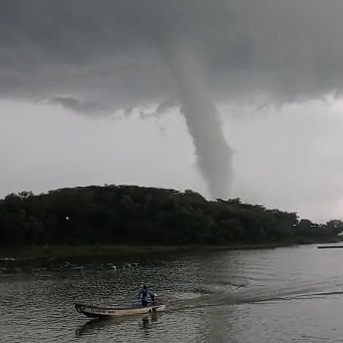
(50, 256)
(103, 252)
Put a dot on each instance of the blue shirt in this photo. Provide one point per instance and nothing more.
(144, 294)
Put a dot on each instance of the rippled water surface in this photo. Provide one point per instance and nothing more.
(274, 295)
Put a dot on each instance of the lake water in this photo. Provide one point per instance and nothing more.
(290, 294)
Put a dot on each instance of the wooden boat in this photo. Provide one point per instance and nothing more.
(116, 311)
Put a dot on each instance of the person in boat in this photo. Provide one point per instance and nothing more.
(144, 295)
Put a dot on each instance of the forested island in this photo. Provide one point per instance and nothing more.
(132, 215)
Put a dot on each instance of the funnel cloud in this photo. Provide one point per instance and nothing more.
(212, 151)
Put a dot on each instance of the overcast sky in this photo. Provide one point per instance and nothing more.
(230, 98)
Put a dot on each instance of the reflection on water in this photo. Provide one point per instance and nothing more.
(92, 325)
(277, 295)
(144, 322)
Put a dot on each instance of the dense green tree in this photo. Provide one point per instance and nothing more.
(138, 215)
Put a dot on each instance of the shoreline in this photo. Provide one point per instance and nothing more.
(49, 256)
(103, 251)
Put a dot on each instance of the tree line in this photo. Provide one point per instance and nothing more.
(148, 216)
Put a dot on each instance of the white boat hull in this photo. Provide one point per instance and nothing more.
(108, 311)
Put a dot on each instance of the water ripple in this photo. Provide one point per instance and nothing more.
(277, 295)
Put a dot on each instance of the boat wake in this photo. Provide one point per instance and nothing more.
(255, 294)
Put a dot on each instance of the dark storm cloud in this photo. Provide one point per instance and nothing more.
(109, 51)
(91, 56)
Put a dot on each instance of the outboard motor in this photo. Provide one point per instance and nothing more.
(153, 297)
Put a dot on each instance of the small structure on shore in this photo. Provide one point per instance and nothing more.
(330, 247)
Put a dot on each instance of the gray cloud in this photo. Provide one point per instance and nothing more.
(108, 50)
(77, 105)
